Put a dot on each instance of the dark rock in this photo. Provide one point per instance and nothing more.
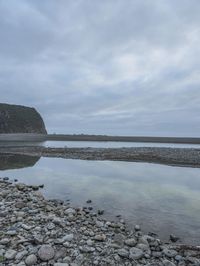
(20, 119)
(174, 238)
(100, 212)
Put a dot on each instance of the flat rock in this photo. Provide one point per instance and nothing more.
(123, 253)
(169, 252)
(168, 263)
(101, 237)
(31, 260)
(46, 252)
(131, 242)
(68, 238)
(4, 241)
(135, 253)
(10, 254)
(61, 264)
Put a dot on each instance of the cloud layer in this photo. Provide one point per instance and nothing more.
(104, 67)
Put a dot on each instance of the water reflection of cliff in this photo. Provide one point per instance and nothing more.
(15, 161)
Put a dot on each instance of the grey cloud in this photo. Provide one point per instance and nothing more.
(104, 67)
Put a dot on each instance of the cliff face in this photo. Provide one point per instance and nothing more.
(20, 119)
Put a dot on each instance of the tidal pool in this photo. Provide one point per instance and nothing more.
(162, 199)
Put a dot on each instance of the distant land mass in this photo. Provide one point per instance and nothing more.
(20, 119)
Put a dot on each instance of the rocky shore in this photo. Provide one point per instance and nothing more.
(187, 157)
(36, 231)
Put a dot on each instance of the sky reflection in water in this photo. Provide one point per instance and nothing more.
(162, 199)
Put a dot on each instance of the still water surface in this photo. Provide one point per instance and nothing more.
(163, 199)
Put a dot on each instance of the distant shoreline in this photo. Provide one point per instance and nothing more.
(186, 157)
(82, 137)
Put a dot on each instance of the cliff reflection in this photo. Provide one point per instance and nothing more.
(16, 161)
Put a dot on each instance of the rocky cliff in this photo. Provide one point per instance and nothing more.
(20, 119)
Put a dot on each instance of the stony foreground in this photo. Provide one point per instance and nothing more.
(35, 231)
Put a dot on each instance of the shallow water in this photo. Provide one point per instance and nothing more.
(114, 144)
(163, 199)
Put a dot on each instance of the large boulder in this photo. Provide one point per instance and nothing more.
(20, 119)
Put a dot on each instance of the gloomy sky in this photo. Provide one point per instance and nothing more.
(118, 67)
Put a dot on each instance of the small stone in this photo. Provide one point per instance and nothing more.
(86, 249)
(90, 242)
(21, 254)
(57, 221)
(21, 264)
(26, 227)
(99, 223)
(10, 254)
(66, 244)
(143, 240)
(3, 213)
(71, 217)
(70, 211)
(168, 263)
(68, 238)
(131, 242)
(123, 253)
(61, 264)
(4, 241)
(137, 227)
(89, 201)
(169, 252)
(20, 204)
(193, 260)
(51, 226)
(174, 238)
(46, 252)
(2, 251)
(100, 212)
(101, 237)
(156, 254)
(135, 253)
(178, 258)
(144, 248)
(31, 260)
(11, 232)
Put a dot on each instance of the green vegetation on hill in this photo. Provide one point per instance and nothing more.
(20, 119)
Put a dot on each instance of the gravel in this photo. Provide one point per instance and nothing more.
(45, 232)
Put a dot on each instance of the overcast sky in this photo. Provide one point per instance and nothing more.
(120, 67)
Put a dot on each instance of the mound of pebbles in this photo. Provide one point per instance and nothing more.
(36, 231)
